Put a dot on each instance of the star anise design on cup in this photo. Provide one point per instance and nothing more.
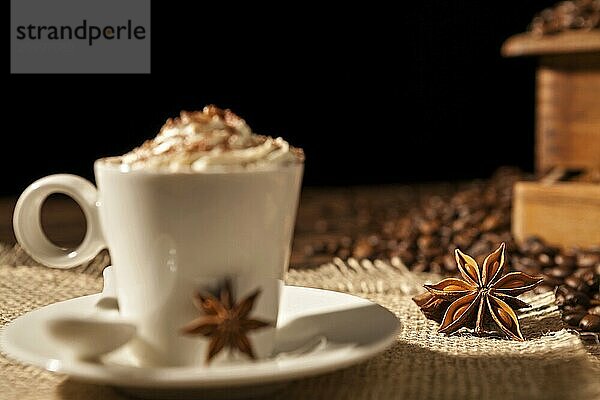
(482, 293)
(225, 322)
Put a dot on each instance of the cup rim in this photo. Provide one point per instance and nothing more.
(103, 164)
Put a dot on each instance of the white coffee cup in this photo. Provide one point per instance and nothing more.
(173, 234)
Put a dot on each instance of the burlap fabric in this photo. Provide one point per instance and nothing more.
(422, 364)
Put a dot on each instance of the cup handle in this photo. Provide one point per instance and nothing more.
(28, 225)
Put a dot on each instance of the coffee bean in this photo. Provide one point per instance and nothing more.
(476, 218)
(594, 249)
(594, 310)
(491, 222)
(459, 224)
(567, 260)
(428, 227)
(362, 249)
(545, 260)
(564, 16)
(588, 260)
(576, 298)
(462, 240)
(420, 267)
(427, 242)
(592, 280)
(590, 323)
(573, 318)
(564, 290)
(577, 308)
(558, 271)
(576, 283)
(551, 251)
(526, 263)
(533, 246)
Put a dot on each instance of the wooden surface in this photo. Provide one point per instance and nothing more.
(325, 214)
(563, 213)
(527, 44)
(567, 138)
(568, 112)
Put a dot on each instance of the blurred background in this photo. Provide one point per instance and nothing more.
(372, 95)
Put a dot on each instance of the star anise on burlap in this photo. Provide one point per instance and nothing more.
(225, 322)
(483, 292)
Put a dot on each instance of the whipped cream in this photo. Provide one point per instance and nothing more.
(210, 139)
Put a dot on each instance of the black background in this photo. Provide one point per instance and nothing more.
(373, 95)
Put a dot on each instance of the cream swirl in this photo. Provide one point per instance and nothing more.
(209, 139)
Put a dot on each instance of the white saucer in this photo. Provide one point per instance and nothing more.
(318, 331)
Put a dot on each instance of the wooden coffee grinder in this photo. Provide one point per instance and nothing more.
(563, 212)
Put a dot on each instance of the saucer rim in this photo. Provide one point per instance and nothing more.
(192, 376)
